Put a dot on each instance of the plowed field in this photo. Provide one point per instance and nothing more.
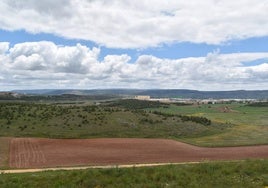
(38, 152)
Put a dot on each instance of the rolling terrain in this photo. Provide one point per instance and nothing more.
(156, 93)
(94, 132)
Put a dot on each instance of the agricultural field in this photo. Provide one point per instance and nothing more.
(41, 152)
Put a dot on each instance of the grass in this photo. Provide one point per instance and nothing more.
(248, 124)
(251, 173)
(89, 121)
(237, 114)
(237, 136)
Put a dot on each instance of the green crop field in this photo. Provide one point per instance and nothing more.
(252, 173)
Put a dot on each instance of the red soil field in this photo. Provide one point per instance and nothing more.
(40, 152)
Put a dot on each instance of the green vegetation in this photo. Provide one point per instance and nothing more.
(259, 104)
(196, 119)
(132, 104)
(205, 125)
(214, 174)
(55, 97)
(88, 121)
(248, 124)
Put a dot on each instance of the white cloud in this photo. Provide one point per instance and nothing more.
(4, 46)
(46, 65)
(48, 56)
(139, 24)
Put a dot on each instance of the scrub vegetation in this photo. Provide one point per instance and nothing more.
(105, 120)
(252, 173)
(248, 122)
(203, 125)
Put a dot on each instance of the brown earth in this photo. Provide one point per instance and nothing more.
(40, 152)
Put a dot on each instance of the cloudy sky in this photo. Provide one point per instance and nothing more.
(175, 44)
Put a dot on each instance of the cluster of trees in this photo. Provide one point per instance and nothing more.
(30, 111)
(133, 104)
(55, 97)
(196, 119)
(89, 109)
(259, 104)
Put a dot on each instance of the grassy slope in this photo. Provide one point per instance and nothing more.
(250, 123)
(87, 122)
(215, 174)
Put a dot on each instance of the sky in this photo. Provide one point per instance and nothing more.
(144, 44)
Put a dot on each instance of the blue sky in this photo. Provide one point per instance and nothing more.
(204, 45)
(170, 51)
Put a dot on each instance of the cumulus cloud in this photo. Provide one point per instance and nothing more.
(47, 65)
(139, 24)
(48, 56)
(4, 46)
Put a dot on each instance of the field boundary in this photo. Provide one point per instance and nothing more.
(4, 151)
(16, 171)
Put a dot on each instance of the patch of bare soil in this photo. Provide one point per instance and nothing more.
(40, 153)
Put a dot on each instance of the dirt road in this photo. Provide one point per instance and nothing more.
(14, 171)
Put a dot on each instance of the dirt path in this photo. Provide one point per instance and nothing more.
(45, 153)
(90, 167)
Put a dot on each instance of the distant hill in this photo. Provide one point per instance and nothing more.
(9, 95)
(156, 93)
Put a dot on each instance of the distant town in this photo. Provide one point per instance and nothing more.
(197, 101)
